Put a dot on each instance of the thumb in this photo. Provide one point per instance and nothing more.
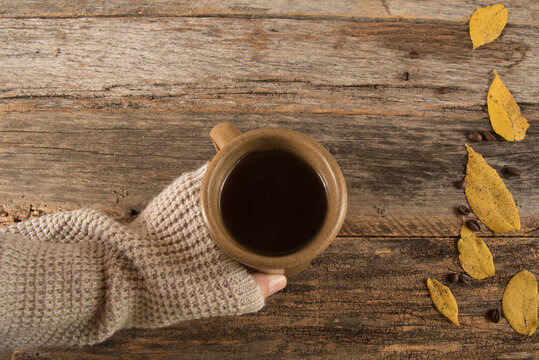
(269, 284)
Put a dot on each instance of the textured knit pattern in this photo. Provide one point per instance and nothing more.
(76, 277)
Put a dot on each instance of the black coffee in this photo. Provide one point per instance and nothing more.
(273, 202)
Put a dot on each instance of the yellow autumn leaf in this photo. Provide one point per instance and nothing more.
(504, 112)
(474, 255)
(443, 300)
(520, 301)
(488, 197)
(487, 23)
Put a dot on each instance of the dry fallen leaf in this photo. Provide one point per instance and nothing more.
(443, 300)
(487, 195)
(487, 23)
(504, 112)
(474, 255)
(520, 301)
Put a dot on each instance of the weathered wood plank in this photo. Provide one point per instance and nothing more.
(260, 65)
(362, 298)
(399, 170)
(520, 11)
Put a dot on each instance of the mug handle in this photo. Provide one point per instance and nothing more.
(222, 134)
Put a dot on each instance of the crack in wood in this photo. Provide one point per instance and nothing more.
(386, 7)
(298, 17)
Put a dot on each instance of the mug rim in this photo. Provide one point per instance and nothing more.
(210, 198)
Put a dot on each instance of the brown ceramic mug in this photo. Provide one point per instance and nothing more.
(231, 146)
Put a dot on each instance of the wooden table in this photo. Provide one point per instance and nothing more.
(103, 105)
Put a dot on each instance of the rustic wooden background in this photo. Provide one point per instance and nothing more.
(103, 105)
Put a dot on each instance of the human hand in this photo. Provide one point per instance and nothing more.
(269, 284)
(97, 276)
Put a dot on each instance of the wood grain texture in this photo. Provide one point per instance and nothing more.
(102, 104)
(260, 65)
(400, 171)
(521, 11)
(363, 298)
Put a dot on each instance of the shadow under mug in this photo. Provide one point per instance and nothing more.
(231, 146)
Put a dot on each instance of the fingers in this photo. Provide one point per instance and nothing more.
(269, 284)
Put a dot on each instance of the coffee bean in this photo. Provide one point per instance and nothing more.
(413, 54)
(464, 210)
(465, 279)
(473, 224)
(494, 315)
(511, 171)
(406, 76)
(443, 90)
(475, 137)
(453, 277)
(460, 184)
(487, 135)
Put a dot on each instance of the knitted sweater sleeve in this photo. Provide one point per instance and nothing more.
(76, 277)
